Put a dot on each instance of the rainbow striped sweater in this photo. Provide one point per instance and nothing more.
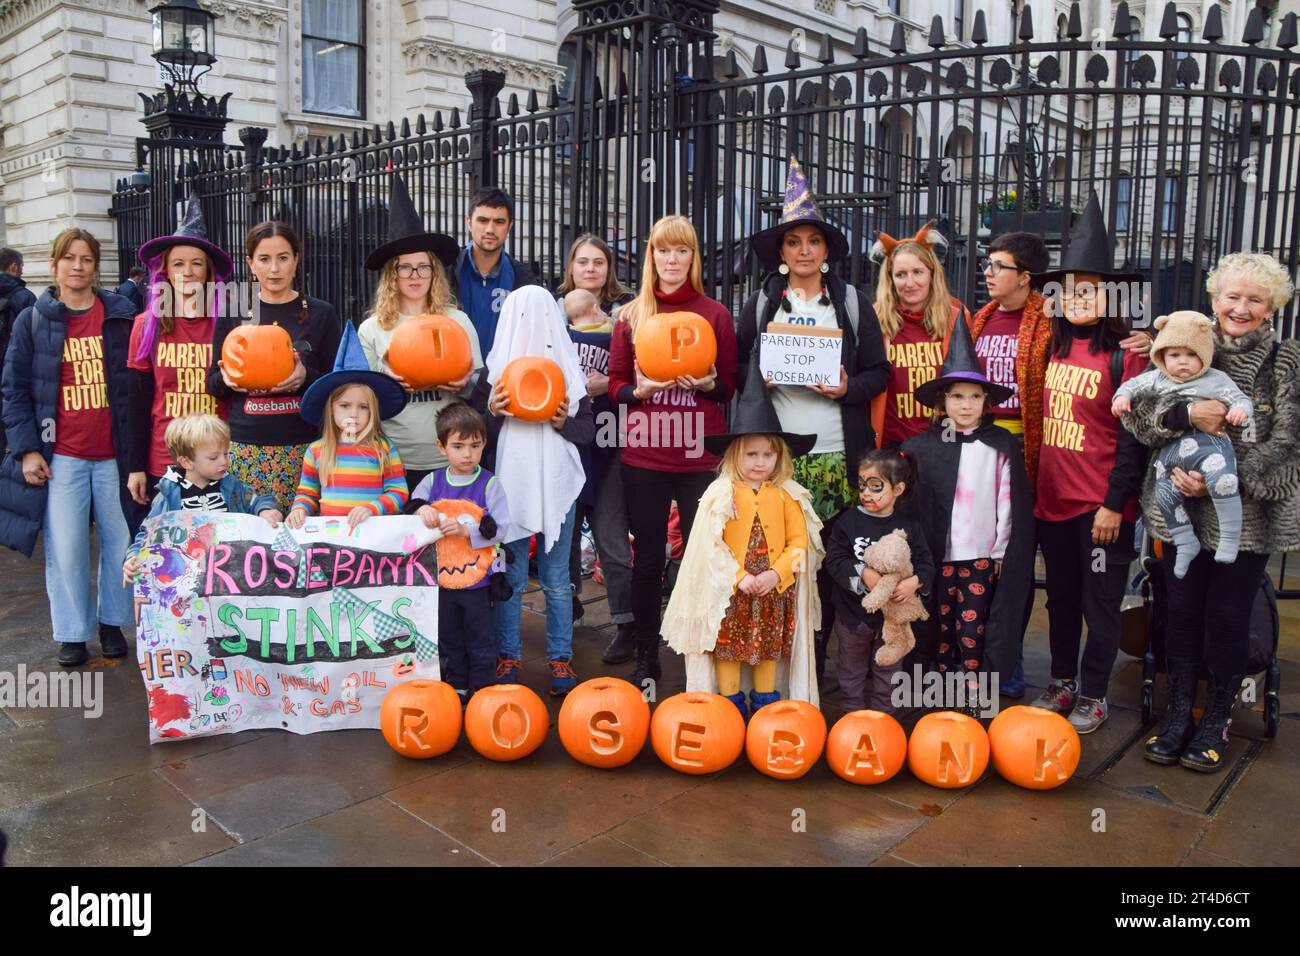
(360, 477)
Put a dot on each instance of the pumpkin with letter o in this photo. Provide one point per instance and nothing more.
(430, 350)
(421, 718)
(459, 565)
(536, 387)
(670, 344)
(257, 357)
(697, 732)
(604, 722)
(1034, 748)
(866, 747)
(506, 721)
(785, 738)
(948, 750)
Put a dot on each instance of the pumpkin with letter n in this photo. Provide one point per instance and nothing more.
(866, 747)
(459, 565)
(697, 732)
(948, 750)
(604, 722)
(672, 344)
(1034, 748)
(257, 357)
(536, 387)
(430, 350)
(785, 738)
(506, 721)
(421, 718)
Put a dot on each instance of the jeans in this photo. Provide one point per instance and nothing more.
(608, 519)
(553, 576)
(75, 486)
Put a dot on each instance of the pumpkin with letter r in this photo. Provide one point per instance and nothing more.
(459, 565)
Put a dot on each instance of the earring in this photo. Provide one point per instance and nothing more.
(783, 269)
(826, 267)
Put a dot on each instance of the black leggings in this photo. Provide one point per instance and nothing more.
(1209, 611)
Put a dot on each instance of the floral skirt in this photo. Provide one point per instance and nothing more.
(269, 470)
(827, 479)
(757, 629)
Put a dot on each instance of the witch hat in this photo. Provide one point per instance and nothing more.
(1089, 250)
(193, 231)
(799, 209)
(756, 416)
(961, 364)
(406, 232)
(351, 368)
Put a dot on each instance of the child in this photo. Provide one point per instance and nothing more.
(752, 598)
(467, 646)
(1182, 353)
(885, 479)
(583, 312)
(200, 480)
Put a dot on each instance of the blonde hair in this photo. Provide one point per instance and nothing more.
(1255, 267)
(613, 290)
(937, 313)
(729, 466)
(387, 308)
(667, 232)
(372, 437)
(184, 435)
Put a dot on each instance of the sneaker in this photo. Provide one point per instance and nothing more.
(1088, 714)
(72, 653)
(563, 677)
(111, 640)
(1059, 696)
(507, 670)
(1014, 686)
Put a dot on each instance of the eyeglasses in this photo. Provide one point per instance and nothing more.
(424, 270)
(993, 267)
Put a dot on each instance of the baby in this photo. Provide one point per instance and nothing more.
(583, 312)
(1182, 353)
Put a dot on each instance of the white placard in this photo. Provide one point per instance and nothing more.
(800, 354)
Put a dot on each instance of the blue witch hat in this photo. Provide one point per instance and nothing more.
(351, 368)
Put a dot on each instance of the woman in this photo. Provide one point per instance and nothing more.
(916, 313)
(675, 415)
(1209, 609)
(66, 401)
(268, 435)
(171, 348)
(590, 266)
(413, 281)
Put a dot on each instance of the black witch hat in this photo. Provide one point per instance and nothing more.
(1089, 250)
(756, 416)
(961, 364)
(193, 231)
(406, 233)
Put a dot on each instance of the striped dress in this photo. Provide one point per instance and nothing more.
(360, 477)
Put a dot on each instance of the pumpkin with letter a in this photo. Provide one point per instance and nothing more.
(671, 344)
(1034, 748)
(536, 387)
(866, 747)
(506, 721)
(948, 750)
(459, 565)
(604, 722)
(421, 718)
(430, 350)
(785, 738)
(257, 357)
(697, 733)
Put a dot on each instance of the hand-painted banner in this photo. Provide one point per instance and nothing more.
(242, 626)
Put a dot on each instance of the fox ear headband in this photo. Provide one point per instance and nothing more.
(927, 235)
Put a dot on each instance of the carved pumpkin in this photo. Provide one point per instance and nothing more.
(948, 750)
(430, 350)
(696, 733)
(604, 722)
(536, 387)
(785, 739)
(257, 357)
(866, 747)
(421, 718)
(506, 721)
(459, 565)
(1034, 748)
(670, 344)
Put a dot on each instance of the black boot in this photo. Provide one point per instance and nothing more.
(111, 641)
(623, 647)
(1169, 744)
(1210, 745)
(647, 660)
(72, 653)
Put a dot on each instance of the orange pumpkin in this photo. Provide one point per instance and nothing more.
(604, 722)
(1034, 748)
(948, 750)
(785, 738)
(670, 344)
(866, 747)
(506, 721)
(421, 718)
(459, 565)
(697, 733)
(257, 357)
(430, 350)
(536, 387)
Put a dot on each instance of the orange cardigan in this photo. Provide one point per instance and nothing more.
(783, 528)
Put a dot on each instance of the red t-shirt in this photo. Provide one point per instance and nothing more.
(179, 366)
(1079, 433)
(83, 422)
(996, 348)
(914, 358)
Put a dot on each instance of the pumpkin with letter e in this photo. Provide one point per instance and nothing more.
(697, 733)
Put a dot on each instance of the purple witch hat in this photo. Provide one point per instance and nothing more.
(961, 364)
(798, 209)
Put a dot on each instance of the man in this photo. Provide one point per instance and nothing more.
(14, 297)
(484, 273)
(133, 287)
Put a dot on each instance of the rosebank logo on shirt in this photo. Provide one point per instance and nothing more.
(264, 405)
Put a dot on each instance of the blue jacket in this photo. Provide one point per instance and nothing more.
(481, 296)
(31, 399)
(15, 290)
(239, 500)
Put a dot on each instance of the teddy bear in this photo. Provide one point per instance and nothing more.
(891, 558)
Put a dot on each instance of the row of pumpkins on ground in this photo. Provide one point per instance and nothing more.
(604, 722)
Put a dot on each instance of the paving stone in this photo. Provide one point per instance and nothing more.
(890, 860)
(1199, 857)
(1258, 823)
(602, 851)
(1180, 786)
(116, 685)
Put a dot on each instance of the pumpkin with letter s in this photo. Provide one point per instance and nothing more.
(948, 750)
(460, 565)
(257, 357)
(421, 718)
(536, 386)
(672, 344)
(506, 721)
(1034, 748)
(697, 733)
(785, 738)
(430, 350)
(604, 722)
(866, 747)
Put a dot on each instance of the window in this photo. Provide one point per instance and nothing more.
(1123, 202)
(1169, 217)
(1129, 58)
(1062, 27)
(333, 57)
(1184, 36)
(895, 6)
(959, 19)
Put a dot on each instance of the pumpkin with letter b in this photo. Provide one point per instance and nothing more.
(785, 738)
(604, 722)
(948, 750)
(421, 718)
(257, 357)
(697, 732)
(460, 565)
(1034, 748)
(506, 721)
(671, 344)
(430, 350)
(866, 747)
(536, 387)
